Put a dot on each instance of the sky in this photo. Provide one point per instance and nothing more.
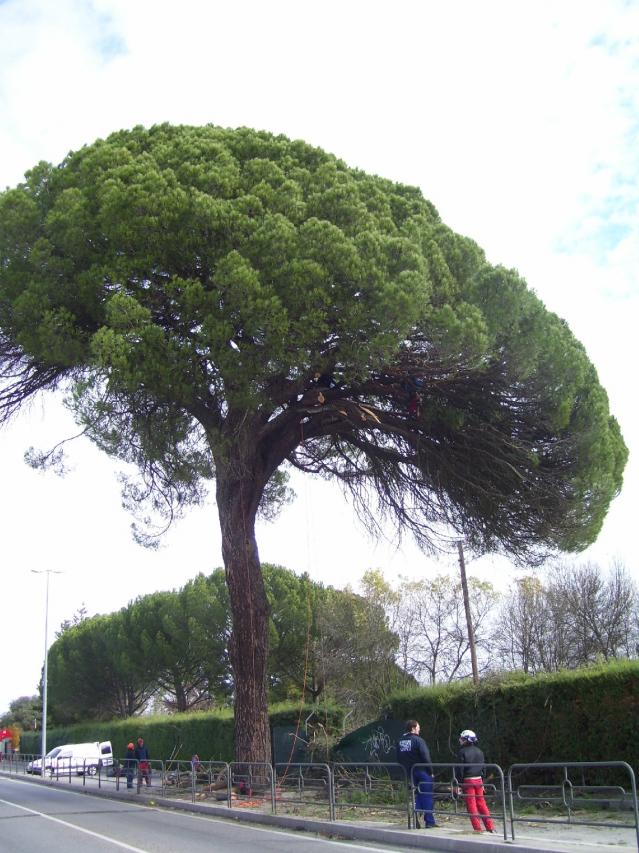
(518, 120)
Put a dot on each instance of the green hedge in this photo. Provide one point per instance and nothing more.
(579, 715)
(209, 733)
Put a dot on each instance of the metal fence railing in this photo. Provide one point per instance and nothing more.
(359, 786)
(579, 790)
(196, 780)
(59, 769)
(597, 794)
(449, 798)
(252, 784)
(16, 763)
(306, 785)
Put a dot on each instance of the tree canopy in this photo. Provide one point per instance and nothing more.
(226, 303)
(171, 648)
(98, 671)
(25, 712)
(330, 644)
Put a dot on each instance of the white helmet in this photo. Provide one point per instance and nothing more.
(468, 735)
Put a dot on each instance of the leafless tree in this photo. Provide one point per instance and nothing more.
(517, 630)
(577, 616)
(598, 607)
(431, 624)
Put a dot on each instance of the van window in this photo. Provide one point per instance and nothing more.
(106, 749)
(54, 752)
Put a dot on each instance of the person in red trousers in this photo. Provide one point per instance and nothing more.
(470, 770)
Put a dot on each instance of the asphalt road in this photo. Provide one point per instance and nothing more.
(37, 818)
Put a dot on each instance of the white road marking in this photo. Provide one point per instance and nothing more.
(106, 838)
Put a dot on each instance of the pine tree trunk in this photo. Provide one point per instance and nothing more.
(237, 500)
(180, 696)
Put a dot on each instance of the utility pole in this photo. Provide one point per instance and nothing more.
(43, 750)
(469, 621)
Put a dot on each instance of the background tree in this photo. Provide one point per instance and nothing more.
(330, 644)
(182, 638)
(598, 607)
(520, 624)
(433, 631)
(401, 614)
(575, 616)
(79, 616)
(165, 633)
(324, 643)
(25, 713)
(221, 303)
(393, 603)
(356, 654)
(97, 672)
(205, 600)
(554, 633)
(295, 602)
(457, 654)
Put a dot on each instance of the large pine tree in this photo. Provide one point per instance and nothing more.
(226, 303)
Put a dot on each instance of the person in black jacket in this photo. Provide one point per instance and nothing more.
(411, 751)
(129, 765)
(470, 770)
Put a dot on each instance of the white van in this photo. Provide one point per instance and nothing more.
(86, 757)
(77, 758)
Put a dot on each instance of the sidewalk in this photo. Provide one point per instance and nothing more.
(529, 837)
(457, 838)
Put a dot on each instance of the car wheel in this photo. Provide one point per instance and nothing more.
(92, 770)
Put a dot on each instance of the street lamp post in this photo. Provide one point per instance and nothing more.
(48, 573)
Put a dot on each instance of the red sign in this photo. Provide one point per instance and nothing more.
(5, 734)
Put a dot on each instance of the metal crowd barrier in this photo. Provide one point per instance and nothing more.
(212, 777)
(447, 800)
(16, 763)
(561, 790)
(575, 787)
(196, 779)
(254, 783)
(304, 784)
(124, 770)
(178, 779)
(358, 785)
(65, 768)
